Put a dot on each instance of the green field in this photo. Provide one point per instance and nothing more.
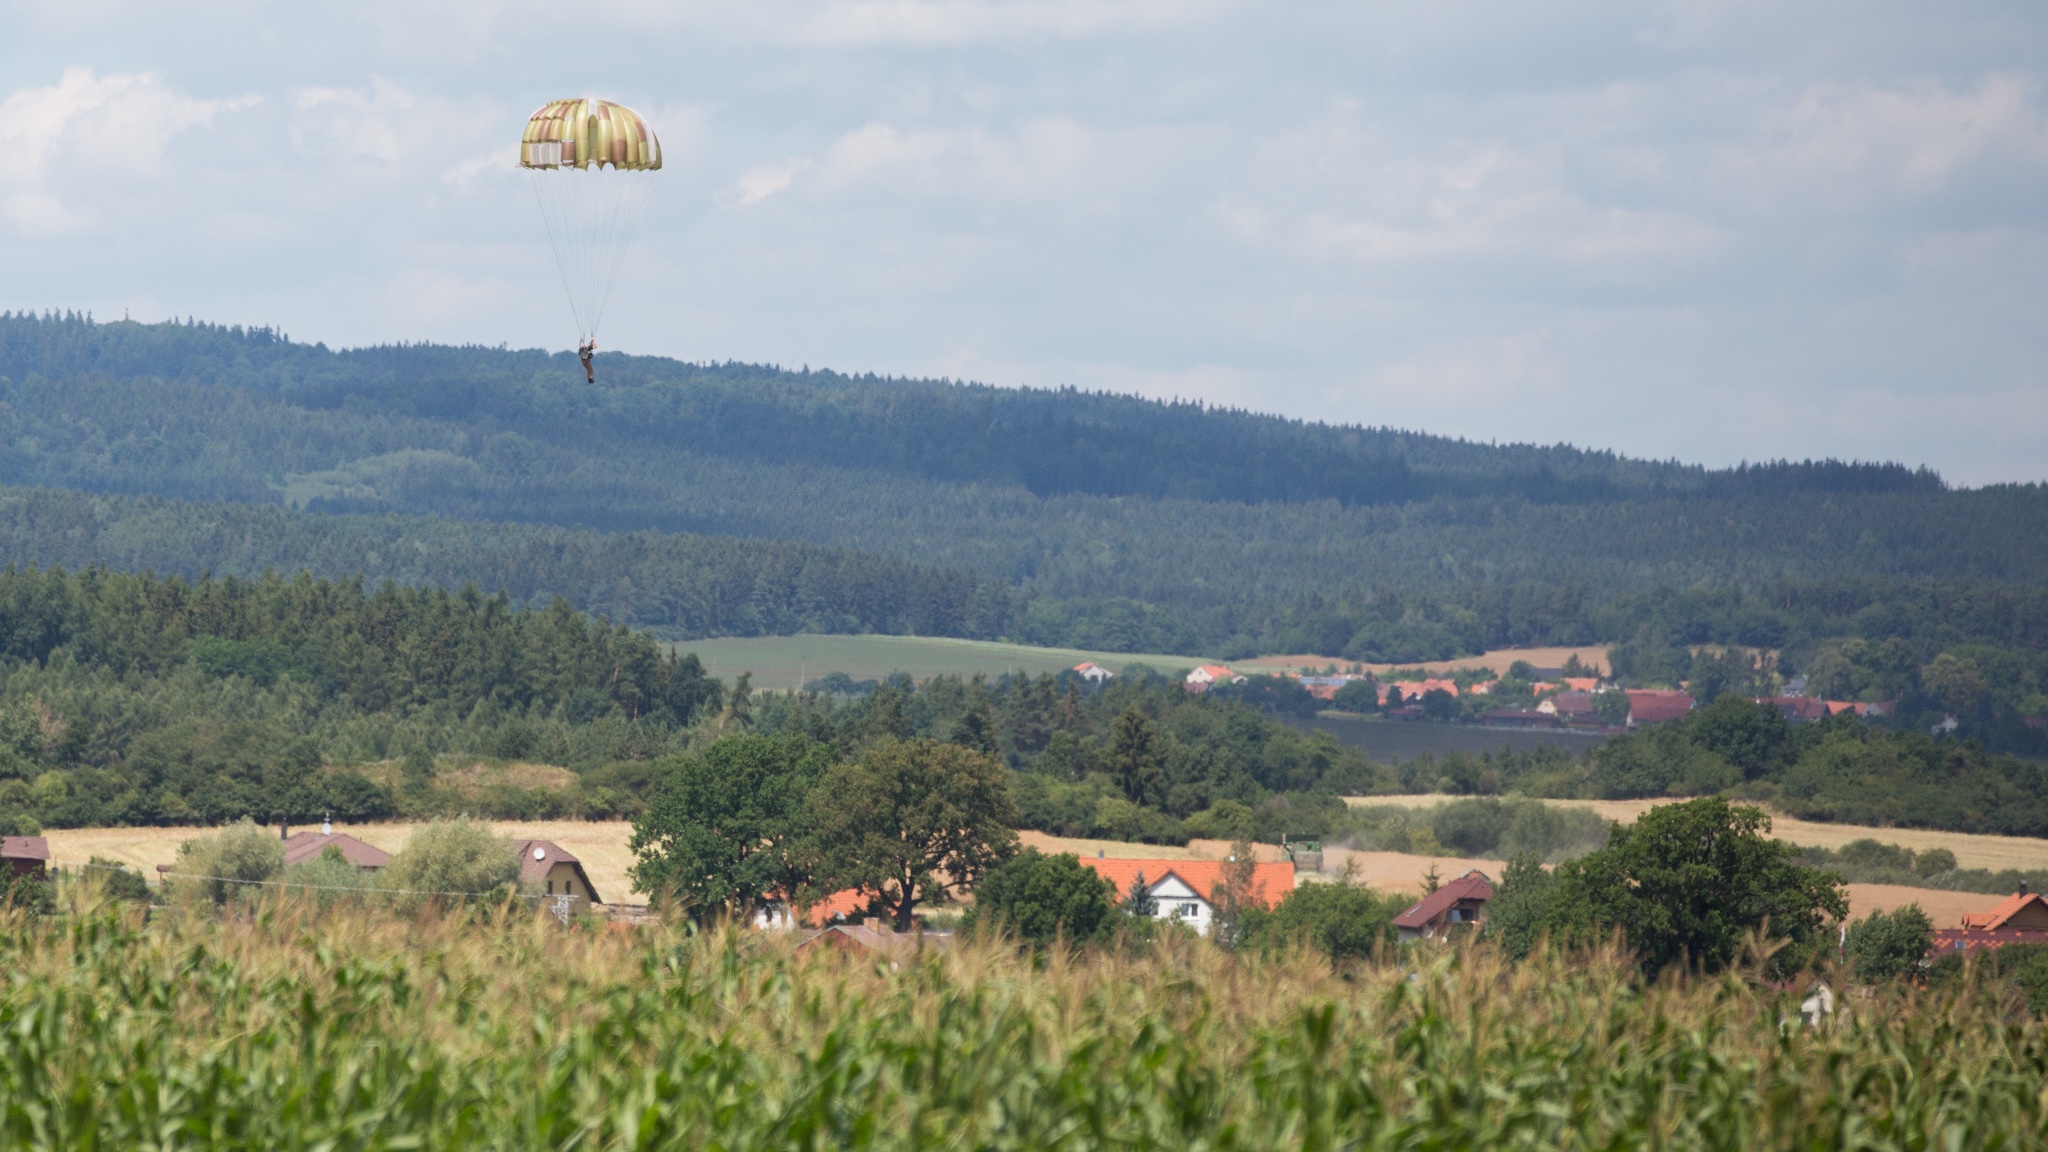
(784, 662)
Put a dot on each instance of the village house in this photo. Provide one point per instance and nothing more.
(545, 865)
(1185, 890)
(1201, 678)
(1461, 902)
(1573, 707)
(1651, 706)
(2021, 918)
(1095, 674)
(874, 936)
(1413, 690)
(23, 856)
(303, 846)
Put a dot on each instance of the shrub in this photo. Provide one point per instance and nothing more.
(327, 879)
(116, 880)
(450, 860)
(231, 864)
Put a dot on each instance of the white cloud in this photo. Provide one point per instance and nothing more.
(1625, 226)
(952, 23)
(758, 184)
(118, 126)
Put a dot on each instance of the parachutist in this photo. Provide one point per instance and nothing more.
(583, 352)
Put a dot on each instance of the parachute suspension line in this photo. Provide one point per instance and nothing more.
(591, 216)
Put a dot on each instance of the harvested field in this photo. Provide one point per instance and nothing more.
(600, 845)
(1972, 850)
(1944, 908)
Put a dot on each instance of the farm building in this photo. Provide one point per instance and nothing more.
(1093, 673)
(1185, 890)
(2021, 918)
(1649, 706)
(23, 856)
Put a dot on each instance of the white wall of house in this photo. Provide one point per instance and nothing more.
(1172, 899)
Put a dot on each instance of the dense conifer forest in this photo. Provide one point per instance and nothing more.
(1118, 523)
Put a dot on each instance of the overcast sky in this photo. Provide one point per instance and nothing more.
(1710, 231)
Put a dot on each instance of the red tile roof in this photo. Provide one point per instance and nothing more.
(1968, 940)
(1471, 886)
(1270, 882)
(2005, 910)
(1654, 707)
(302, 846)
(24, 848)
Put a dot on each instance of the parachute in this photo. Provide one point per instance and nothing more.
(590, 162)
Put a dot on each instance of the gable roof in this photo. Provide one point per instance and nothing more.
(2005, 910)
(302, 846)
(1270, 882)
(534, 870)
(1648, 706)
(1472, 885)
(24, 848)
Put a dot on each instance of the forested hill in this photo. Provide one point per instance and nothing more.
(1054, 516)
(1045, 441)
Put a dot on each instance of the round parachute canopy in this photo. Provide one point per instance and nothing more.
(589, 134)
(589, 161)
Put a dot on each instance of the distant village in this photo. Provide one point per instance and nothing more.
(1568, 698)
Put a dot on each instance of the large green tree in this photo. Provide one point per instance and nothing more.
(909, 821)
(1686, 882)
(1043, 898)
(723, 830)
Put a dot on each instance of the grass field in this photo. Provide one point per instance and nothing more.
(780, 663)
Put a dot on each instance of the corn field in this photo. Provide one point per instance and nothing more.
(288, 1028)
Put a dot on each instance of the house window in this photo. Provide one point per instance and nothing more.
(551, 887)
(1190, 911)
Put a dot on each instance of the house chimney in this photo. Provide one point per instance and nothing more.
(1098, 853)
(2023, 887)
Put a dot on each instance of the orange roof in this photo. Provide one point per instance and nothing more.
(1270, 882)
(1582, 683)
(847, 902)
(2006, 910)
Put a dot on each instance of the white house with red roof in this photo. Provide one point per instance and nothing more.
(1093, 673)
(1202, 678)
(1185, 890)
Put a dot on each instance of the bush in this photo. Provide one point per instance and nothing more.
(232, 864)
(451, 860)
(1342, 921)
(1885, 946)
(1043, 898)
(116, 880)
(327, 879)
